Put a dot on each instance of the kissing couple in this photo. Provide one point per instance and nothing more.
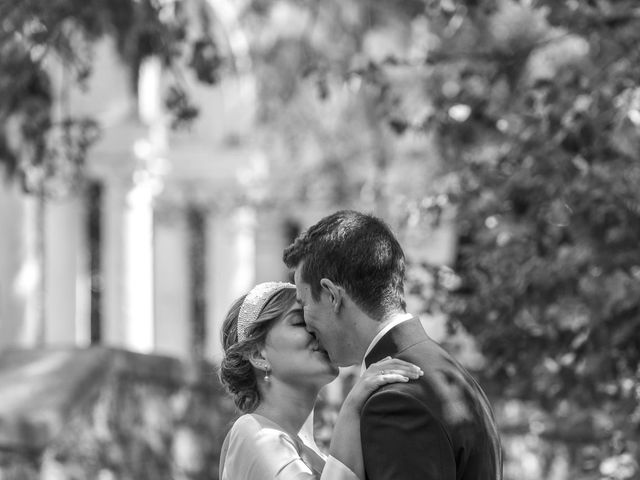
(415, 412)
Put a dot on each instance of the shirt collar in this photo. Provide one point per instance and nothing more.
(395, 320)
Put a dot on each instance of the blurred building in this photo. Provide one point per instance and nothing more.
(151, 252)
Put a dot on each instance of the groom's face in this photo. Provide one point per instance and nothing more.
(320, 319)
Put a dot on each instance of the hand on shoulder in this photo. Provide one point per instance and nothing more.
(388, 370)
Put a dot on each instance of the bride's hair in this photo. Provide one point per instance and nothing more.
(236, 372)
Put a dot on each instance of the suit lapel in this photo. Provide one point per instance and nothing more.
(401, 336)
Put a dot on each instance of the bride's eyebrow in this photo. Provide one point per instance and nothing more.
(296, 307)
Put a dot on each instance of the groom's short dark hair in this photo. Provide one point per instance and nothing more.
(357, 251)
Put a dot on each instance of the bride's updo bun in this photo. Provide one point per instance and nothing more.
(236, 372)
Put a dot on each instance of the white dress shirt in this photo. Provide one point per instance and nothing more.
(395, 320)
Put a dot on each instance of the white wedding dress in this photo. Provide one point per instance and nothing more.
(258, 449)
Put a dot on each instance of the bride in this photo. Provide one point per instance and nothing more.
(274, 369)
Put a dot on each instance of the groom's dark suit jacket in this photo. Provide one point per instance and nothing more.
(439, 427)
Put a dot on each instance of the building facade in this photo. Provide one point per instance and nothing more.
(164, 232)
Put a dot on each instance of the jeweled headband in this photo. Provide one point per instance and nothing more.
(254, 302)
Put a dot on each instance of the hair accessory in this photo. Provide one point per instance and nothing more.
(254, 302)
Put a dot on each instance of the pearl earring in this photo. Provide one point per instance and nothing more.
(266, 375)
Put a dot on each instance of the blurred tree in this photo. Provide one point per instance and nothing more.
(34, 35)
(323, 100)
(537, 118)
(533, 109)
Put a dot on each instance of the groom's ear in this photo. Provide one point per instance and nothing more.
(334, 291)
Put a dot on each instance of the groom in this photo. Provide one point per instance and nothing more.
(349, 273)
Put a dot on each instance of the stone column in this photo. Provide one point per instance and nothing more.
(138, 266)
(270, 243)
(113, 314)
(171, 279)
(128, 263)
(230, 268)
(66, 310)
(30, 278)
(16, 273)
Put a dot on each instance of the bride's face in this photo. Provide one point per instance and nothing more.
(294, 354)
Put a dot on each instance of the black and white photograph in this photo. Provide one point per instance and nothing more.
(319, 240)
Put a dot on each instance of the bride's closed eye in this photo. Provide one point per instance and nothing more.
(295, 317)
